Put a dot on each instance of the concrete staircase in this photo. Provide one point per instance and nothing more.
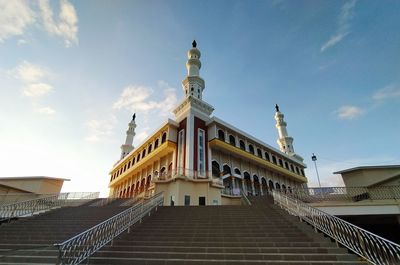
(257, 234)
(30, 240)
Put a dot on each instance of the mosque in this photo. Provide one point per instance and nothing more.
(199, 159)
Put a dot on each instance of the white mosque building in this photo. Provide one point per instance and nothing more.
(199, 159)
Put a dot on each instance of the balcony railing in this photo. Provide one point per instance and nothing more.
(47, 202)
(183, 172)
(373, 248)
(81, 247)
(354, 194)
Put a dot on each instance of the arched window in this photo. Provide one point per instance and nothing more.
(163, 137)
(237, 172)
(297, 170)
(251, 149)
(124, 167)
(242, 145)
(277, 186)
(232, 140)
(274, 160)
(284, 188)
(216, 173)
(302, 172)
(280, 162)
(129, 164)
(221, 135)
(266, 156)
(143, 153)
(259, 153)
(270, 185)
(286, 165)
(226, 170)
(162, 172)
(138, 158)
(291, 167)
(156, 144)
(150, 148)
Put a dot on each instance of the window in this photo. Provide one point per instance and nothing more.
(150, 147)
(187, 200)
(280, 162)
(156, 144)
(215, 169)
(237, 171)
(221, 135)
(232, 140)
(251, 149)
(274, 160)
(144, 153)
(226, 170)
(163, 137)
(129, 164)
(201, 152)
(266, 156)
(181, 148)
(286, 165)
(138, 158)
(259, 153)
(242, 145)
(291, 167)
(302, 172)
(202, 201)
(297, 170)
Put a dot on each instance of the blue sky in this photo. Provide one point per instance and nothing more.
(72, 73)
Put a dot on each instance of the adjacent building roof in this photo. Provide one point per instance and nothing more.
(32, 177)
(367, 167)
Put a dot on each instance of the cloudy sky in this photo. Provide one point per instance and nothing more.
(73, 72)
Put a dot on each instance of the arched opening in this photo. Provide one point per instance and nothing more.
(150, 148)
(133, 190)
(280, 162)
(251, 149)
(221, 135)
(216, 172)
(256, 185)
(274, 160)
(142, 185)
(264, 186)
(266, 156)
(259, 153)
(144, 153)
(138, 158)
(156, 144)
(162, 173)
(237, 171)
(270, 185)
(284, 188)
(163, 137)
(148, 181)
(277, 186)
(226, 170)
(170, 169)
(232, 140)
(247, 183)
(242, 145)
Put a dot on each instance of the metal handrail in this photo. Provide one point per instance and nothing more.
(244, 197)
(82, 246)
(47, 202)
(373, 248)
(354, 194)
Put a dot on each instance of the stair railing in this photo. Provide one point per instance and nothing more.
(244, 198)
(375, 249)
(82, 246)
(43, 203)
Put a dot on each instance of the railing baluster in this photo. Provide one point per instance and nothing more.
(373, 248)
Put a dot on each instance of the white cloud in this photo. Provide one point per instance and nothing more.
(66, 27)
(37, 89)
(136, 99)
(343, 29)
(15, 17)
(45, 110)
(28, 72)
(100, 129)
(390, 91)
(349, 112)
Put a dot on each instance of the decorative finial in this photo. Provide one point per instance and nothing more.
(134, 116)
(194, 44)
(277, 107)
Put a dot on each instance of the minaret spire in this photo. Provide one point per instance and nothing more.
(193, 85)
(130, 133)
(285, 142)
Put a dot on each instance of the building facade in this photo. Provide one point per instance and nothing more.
(199, 159)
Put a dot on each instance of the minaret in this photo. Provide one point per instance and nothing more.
(193, 85)
(130, 133)
(285, 141)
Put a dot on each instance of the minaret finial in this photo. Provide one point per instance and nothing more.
(194, 44)
(276, 107)
(134, 117)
